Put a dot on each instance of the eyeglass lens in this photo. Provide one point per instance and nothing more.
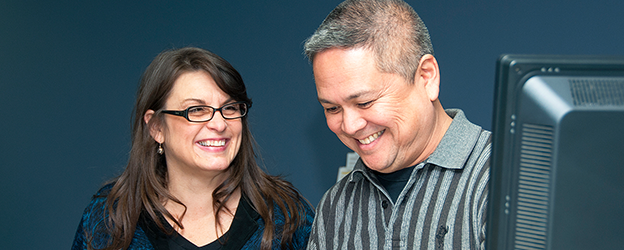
(230, 111)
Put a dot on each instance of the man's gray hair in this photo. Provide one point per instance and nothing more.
(391, 29)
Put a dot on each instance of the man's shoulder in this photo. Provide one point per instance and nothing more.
(463, 140)
(341, 189)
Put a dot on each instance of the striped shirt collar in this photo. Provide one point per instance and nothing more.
(452, 152)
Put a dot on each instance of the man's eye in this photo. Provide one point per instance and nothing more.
(365, 104)
(331, 110)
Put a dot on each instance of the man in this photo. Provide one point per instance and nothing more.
(421, 180)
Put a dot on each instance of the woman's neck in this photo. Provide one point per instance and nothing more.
(197, 213)
(195, 190)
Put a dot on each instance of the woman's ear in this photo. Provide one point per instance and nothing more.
(429, 73)
(154, 127)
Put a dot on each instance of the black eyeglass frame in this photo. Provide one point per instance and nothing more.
(184, 113)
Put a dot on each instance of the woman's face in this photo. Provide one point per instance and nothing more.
(194, 147)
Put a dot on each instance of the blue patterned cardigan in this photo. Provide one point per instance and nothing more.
(244, 233)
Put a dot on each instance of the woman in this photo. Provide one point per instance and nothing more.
(192, 181)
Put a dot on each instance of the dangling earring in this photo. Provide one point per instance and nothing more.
(160, 150)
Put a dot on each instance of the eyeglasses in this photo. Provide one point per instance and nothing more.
(205, 113)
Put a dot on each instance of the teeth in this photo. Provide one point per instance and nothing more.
(371, 138)
(212, 143)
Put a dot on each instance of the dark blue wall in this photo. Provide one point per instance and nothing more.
(69, 70)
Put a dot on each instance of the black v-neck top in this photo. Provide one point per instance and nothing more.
(243, 227)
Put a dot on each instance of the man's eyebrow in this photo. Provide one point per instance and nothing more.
(349, 98)
(321, 100)
(356, 95)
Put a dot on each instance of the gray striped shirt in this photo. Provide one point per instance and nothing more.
(442, 206)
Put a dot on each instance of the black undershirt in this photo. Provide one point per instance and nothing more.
(394, 182)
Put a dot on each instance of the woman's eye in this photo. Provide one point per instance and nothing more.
(197, 109)
(231, 108)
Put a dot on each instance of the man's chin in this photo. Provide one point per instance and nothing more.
(377, 166)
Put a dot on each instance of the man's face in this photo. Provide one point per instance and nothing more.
(382, 117)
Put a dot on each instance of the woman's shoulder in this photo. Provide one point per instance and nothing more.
(306, 207)
(300, 205)
(92, 223)
(97, 206)
(102, 194)
(306, 214)
(104, 190)
(308, 210)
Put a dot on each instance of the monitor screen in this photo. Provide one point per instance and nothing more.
(557, 173)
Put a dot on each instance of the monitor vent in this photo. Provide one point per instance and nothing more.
(533, 187)
(597, 92)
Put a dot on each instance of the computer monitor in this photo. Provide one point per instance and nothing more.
(557, 167)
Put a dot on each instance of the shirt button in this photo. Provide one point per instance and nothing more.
(384, 204)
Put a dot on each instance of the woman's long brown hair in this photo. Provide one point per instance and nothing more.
(142, 187)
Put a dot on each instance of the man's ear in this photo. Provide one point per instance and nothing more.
(154, 127)
(429, 73)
